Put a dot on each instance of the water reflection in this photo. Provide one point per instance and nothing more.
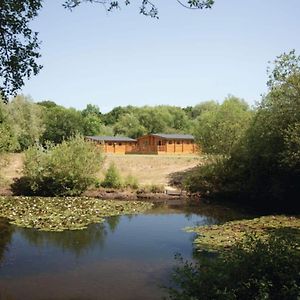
(126, 257)
(113, 223)
(77, 242)
(6, 232)
(213, 213)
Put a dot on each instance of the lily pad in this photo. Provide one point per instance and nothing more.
(65, 213)
(222, 237)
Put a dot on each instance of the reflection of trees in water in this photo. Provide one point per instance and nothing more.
(219, 213)
(76, 241)
(113, 222)
(211, 212)
(6, 231)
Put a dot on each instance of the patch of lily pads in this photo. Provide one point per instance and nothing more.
(65, 213)
(223, 237)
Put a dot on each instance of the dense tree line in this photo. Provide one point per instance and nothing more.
(24, 123)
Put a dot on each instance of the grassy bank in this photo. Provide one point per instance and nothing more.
(148, 169)
(69, 213)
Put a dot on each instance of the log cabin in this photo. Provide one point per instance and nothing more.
(113, 144)
(161, 143)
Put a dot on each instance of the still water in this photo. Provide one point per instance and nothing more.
(127, 257)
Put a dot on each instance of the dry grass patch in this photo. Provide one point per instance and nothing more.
(10, 167)
(149, 169)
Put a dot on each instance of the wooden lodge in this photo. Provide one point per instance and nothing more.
(113, 144)
(166, 144)
(147, 144)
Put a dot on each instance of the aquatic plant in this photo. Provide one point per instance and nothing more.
(68, 213)
(219, 237)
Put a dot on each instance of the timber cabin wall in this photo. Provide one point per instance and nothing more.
(159, 145)
(113, 145)
(147, 144)
(118, 147)
(181, 146)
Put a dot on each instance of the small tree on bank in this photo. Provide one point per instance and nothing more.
(112, 178)
(66, 169)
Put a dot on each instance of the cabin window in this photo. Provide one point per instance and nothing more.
(178, 142)
(109, 144)
(170, 142)
(120, 144)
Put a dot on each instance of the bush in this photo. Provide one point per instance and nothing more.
(205, 178)
(131, 182)
(60, 170)
(112, 178)
(157, 188)
(152, 188)
(254, 269)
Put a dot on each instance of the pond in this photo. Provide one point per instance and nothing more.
(127, 257)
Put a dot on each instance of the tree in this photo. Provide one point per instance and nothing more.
(19, 44)
(66, 169)
(197, 110)
(262, 168)
(256, 268)
(147, 8)
(47, 103)
(91, 120)
(62, 123)
(113, 116)
(91, 125)
(129, 125)
(220, 127)
(91, 110)
(27, 121)
(8, 138)
(21, 124)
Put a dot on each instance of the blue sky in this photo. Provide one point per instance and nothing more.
(184, 58)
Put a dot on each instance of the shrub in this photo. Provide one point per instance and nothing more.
(157, 188)
(253, 269)
(206, 178)
(112, 178)
(152, 188)
(131, 182)
(60, 170)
